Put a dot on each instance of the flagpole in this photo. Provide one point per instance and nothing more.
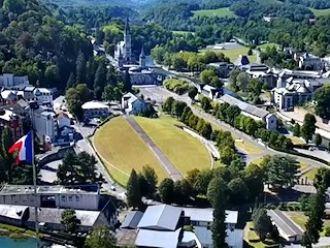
(35, 188)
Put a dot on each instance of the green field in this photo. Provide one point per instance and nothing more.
(184, 151)
(221, 12)
(320, 12)
(264, 46)
(121, 150)
(233, 54)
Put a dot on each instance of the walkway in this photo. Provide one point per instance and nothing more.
(164, 161)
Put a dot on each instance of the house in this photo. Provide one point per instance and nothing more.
(95, 109)
(50, 219)
(83, 197)
(59, 104)
(261, 72)
(162, 226)
(43, 96)
(133, 105)
(252, 111)
(65, 132)
(287, 229)
(223, 68)
(145, 76)
(210, 91)
(45, 124)
(296, 92)
(13, 121)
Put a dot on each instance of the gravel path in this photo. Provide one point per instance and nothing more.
(164, 161)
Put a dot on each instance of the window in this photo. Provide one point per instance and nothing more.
(63, 198)
(70, 198)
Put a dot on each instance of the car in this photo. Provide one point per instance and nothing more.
(113, 188)
(311, 149)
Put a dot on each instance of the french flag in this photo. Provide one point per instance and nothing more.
(23, 149)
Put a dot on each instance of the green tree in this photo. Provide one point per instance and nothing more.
(150, 180)
(100, 237)
(206, 130)
(100, 80)
(81, 68)
(217, 195)
(318, 139)
(70, 220)
(238, 191)
(227, 154)
(166, 190)
(253, 177)
(112, 93)
(133, 191)
(71, 81)
(6, 158)
(243, 81)
(262, 222)
(322, 98)
(206, 104)
(15, 6)
(308, 127)
(281, 171)
(192, 93)
(127, 83)
(167, 105)
(296, 130)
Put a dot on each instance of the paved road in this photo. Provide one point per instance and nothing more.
(84, 145)
(164, 161)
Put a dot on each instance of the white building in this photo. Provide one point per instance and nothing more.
(56, 196)
(44, 122)
(95, 109)
(161, 226)
(296, 92)
(308, 61)
(43, 96)
(252, 111)
(287, 229)
(10, 81)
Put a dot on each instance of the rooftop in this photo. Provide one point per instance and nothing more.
(161, 217)
(245, 107)
(12, 211)
(94, 105)
(24, 189)
(206, 214)
(132, 219)
(284, 223)
(54, 215)
(164, 239)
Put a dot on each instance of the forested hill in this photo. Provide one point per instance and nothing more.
(34, 42)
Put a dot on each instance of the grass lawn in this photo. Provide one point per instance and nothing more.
(297, 140)
(264, 46)
(311, 174)
(184, 151)
(233, 54)
(122, 150)
(221, 12)
(252, 239)
(320, 12)
(176, 32)
(247, 147)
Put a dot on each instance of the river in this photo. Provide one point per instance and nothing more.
(6, 242)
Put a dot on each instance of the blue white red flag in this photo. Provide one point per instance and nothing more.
(23, 149)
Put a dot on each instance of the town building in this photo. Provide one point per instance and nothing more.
(210, 91)
(223, 68)
(296, 92)
(287, 229)
(84, 197)
(162, 226)
(95, 109)
(252, 111)
(261, 72)
(13, 121)
(133, 105)
(308, 61)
